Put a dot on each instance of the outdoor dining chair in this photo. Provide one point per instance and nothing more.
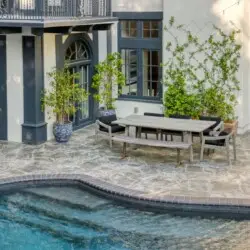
(218, 126)
(104, 127)
(218, 140)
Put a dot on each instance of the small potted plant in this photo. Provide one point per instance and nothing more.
(61, 99)
(107, 79)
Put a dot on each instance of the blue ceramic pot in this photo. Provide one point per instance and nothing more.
(62, 132)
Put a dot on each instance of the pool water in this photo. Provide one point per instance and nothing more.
(69, 218)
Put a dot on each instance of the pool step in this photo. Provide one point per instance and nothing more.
(27, 205)
(72, 197)
(81, 235)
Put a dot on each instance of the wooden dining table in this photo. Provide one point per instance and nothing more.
(163, 123)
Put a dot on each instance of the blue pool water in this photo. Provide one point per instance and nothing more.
(68, 218)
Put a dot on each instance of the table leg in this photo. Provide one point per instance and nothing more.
(127, 130)
(191, 148)
(234, 146)
(139, 132)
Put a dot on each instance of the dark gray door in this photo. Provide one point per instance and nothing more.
(3, 90)
(84, 115)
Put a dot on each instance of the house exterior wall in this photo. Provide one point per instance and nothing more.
(102, 45)
(49, 64)
(200, 22)
(14, 87)
(137, 5)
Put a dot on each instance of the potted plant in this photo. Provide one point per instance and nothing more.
(61, 99)
(107, 79)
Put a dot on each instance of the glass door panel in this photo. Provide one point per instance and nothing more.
(84, 82)
(72, 117)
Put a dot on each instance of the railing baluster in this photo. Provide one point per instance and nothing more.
(42, 9)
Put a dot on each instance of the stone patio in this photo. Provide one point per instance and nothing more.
(150, 170)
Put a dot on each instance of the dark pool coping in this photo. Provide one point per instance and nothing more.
(233, 208)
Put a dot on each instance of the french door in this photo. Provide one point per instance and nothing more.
(84, 114)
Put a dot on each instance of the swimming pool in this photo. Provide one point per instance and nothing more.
(72, 218)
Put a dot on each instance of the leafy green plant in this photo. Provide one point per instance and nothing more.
(108, 78)
(223, 53)
(177, 100)
(64, 94)
(201, 77)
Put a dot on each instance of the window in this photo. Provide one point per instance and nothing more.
(151, 29)
(129, 69)
(77, 51)
(140, 45)
(151, 69)
(128, 29)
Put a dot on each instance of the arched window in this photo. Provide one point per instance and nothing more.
(77, 51)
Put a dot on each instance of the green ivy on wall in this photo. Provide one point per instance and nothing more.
(201, 76)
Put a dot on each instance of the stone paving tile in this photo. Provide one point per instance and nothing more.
(149, 170)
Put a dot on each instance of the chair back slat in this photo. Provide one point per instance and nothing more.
(153, 114)
(211, 118)
(177, 116)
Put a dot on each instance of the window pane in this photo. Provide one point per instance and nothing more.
(84, 106)
(155, 73)
(146, 25)
(133, 33)
(125, 33)
(154, 33)
(155, 25)
(133, 24)
(155, 58)
(151, 79)
(129, 69)
(124, 25)
(146, 33)
(128, 29)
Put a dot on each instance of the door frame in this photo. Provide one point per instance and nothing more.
(3, 90)
(84, 122)
(84, 37)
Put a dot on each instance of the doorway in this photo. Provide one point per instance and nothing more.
(79, 60)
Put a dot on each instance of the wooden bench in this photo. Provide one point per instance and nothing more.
(154, 143)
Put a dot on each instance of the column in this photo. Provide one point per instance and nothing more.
(34, 128)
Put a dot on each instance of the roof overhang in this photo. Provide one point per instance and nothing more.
(57, 25)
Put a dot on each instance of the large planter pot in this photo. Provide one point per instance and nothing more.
(62, 132)
(231, 126)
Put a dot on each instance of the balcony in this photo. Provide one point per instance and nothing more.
(54, 13)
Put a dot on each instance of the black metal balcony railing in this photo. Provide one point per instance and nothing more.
(53, 9)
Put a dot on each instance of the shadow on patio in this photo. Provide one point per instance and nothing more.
(147, 169)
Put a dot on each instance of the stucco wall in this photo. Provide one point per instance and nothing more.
(14, 87)
(49, 64)
(102, 44)
(199, 16)
(125, 108)
(137, 5)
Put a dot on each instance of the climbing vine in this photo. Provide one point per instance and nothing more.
(201, 76)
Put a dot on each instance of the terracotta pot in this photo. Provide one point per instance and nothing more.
(231, 126)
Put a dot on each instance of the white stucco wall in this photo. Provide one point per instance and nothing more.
(102, 45)
(14, 87)
(125, 108)
(49, 64)
(137, 5)
(199, 16)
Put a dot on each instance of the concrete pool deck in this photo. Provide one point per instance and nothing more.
(151, 171)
